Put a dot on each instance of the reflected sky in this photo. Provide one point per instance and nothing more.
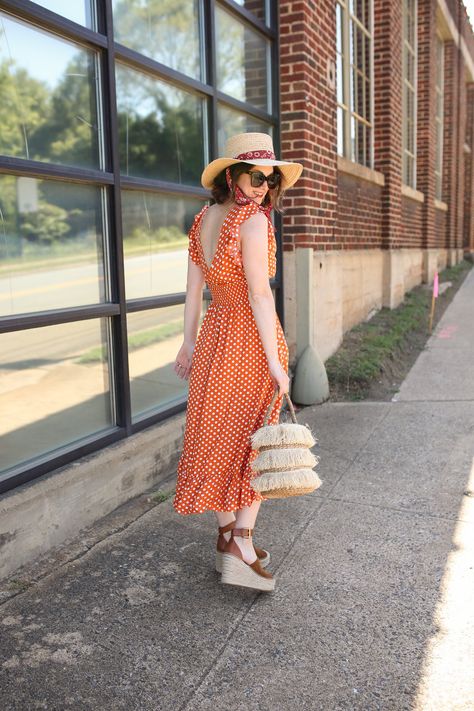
(76, 10)
(34, 56)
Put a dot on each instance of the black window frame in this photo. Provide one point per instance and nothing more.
(110, 179)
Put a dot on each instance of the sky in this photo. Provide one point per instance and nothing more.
(469, 4)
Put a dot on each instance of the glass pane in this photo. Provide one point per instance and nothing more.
(339, 79)
(54, 388)
(256, 7)
(167, 31)
(161, 129)
(411, 25)
(366, 109)
(357, 92)
(353, 139)
(230, 122)
(339, 38)
(353, 89)
(358, 44)
(51, 237)
(366, 45)
(242, 61)
(439, 62)
(154, 339)
(155, 231)
(49, 107)
(360, 9)
(340, 130)
(80, 11)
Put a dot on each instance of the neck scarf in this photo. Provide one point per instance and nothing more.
(242, 199)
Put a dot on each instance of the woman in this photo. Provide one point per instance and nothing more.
(240, 355)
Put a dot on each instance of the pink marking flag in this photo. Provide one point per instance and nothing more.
(435, 285)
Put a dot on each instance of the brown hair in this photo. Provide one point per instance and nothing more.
(221, 193)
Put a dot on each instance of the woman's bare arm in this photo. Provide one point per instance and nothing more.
(193, 303)
(192, 313)
(254, 248)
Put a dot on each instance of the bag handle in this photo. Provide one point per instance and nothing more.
(290, 405)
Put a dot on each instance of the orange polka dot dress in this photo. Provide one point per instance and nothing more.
(230, 388)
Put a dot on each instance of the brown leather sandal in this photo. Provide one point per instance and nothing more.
(235, 571)
(262, 555)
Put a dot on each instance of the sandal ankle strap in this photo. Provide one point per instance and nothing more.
(228, 527)
(244, 532)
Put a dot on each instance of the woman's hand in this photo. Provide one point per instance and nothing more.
(182, 366)
(280, 377)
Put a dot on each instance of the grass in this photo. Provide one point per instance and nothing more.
(141, 339)
(160, 496)
(365, 348)
(19, 585)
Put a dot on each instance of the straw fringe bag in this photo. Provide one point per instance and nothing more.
(284, 464)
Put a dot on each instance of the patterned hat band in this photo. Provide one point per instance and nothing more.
(253, 155)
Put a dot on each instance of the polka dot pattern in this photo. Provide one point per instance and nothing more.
(230, 387)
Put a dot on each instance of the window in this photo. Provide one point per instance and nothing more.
(439, 117)
(354, 80)
(167, 31)
(100, 165)
(409, 92)
(50, 104)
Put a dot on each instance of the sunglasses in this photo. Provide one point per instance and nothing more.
(257, 178)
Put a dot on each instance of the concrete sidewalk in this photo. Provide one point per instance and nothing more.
(375, 572)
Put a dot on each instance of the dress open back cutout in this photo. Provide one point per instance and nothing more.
(201, 243)
(230, 388)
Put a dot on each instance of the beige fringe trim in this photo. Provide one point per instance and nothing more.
(281, 459)
(284, 484)
(282, 434)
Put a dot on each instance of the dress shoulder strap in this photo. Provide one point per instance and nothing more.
(193, 246)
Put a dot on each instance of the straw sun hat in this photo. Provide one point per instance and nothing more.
(253, 148)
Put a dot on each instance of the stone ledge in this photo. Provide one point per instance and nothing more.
(43, 514)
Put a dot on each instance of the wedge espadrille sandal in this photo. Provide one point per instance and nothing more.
(235, 571)
(262, 555)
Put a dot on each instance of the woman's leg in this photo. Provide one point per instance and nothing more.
(245, 518)
(223, 518)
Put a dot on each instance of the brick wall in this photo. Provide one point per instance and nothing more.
(333, 210)
(308, 121)
(468, 236)
(359, 218)
(424, 228)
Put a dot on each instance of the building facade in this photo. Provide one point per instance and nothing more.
(377, 102)
(110, 109)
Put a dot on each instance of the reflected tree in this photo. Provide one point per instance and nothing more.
(166, 30)
(23, 109)
(160, 129)
(69, 134)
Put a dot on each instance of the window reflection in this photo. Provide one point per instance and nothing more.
(256, 7)
(80, 11)
(161, 130)
(49, 107)
(230, 122)
(50, 245)
(54, 388)
(154, 338)
(165, 31)
(155, 238)
(243, 65)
